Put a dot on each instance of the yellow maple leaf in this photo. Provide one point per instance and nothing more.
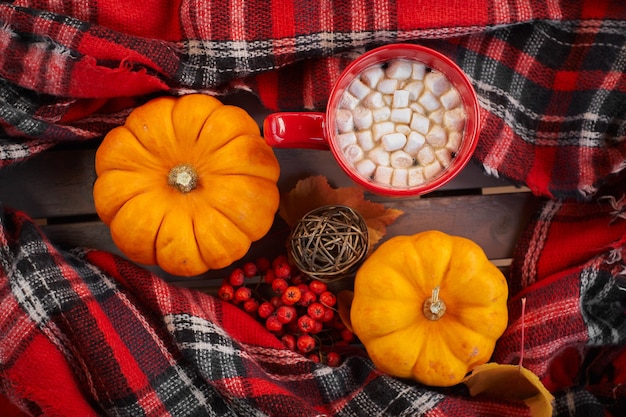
(314, 192)
(511, 382)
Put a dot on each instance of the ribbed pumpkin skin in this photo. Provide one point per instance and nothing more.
(387, 310)
(209, 227)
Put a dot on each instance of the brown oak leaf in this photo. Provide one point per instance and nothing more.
(313, 192)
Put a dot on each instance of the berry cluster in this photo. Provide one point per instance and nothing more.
(297, 309)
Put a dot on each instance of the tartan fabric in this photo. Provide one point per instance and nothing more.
(113, 339)
(86, 333)
(550, 75)
(570, 267)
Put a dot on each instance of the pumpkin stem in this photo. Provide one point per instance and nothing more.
(434, 308)
(183, 177)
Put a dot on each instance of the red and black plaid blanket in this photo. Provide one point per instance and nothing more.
(85, 333)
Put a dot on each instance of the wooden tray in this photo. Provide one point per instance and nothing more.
(55, 188)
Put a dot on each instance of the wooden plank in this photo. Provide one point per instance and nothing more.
(59, 183)
(494, 222)
(51, 184)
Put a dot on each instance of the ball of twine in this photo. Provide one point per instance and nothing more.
(329, 243)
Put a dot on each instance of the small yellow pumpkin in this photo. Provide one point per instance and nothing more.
(429, 307)
(187, 183)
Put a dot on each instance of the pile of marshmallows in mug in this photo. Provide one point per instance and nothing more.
(399, 123)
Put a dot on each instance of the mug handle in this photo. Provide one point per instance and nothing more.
(304, 130)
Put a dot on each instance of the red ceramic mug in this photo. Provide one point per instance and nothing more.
(393, 175)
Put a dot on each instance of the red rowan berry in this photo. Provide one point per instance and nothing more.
(251, 306)
(307, 298)
(265, 309)
(333, 359)
(273, 324)
(297, 279)
(286, 314)
(328, 298)
(306, 323)
(289, 340)
(316, 311)
(263, 264)
(279, 285)
(250, 269)
(243, 294)
(317, 287)
(291, 295)
(280, 260)
(314, 357)
(226, 292)
(282, 271)
(269, 276)
(305, 343)
(329, 316)
(236, 277)
(318, 326)
(276, 301)
(347, 335)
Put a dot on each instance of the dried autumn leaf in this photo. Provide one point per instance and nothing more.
(344, 303)
(511, 382)
(313, 192)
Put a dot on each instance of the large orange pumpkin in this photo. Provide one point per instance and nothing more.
(186, 183)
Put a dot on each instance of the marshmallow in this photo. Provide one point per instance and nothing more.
(400, 99)
(399, 178)
(444, 156)
(404, 129)
(379, 156)
(436, 82)
(372, 76)
(414, 88)
(374, 100)
(344, 120)
(353, 153)
(346, 139)
(387, 86)
(383, 175)
(400, 69)
(348, 101)
(400, 159)
(420, 123)
(437, 136)
(417, 108)
(454, 141)
(358, 89)
(366, 168)
(414, 142)
(381, 129)
(418, 71)
(401, 115)
(454, 119)
(429, 101)
(437, 116)
(425, 155)
(393, 141)
(363, 118)
(432, 169)
(450, 99)
(416, 176)
(381, 114)
(365, 140)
